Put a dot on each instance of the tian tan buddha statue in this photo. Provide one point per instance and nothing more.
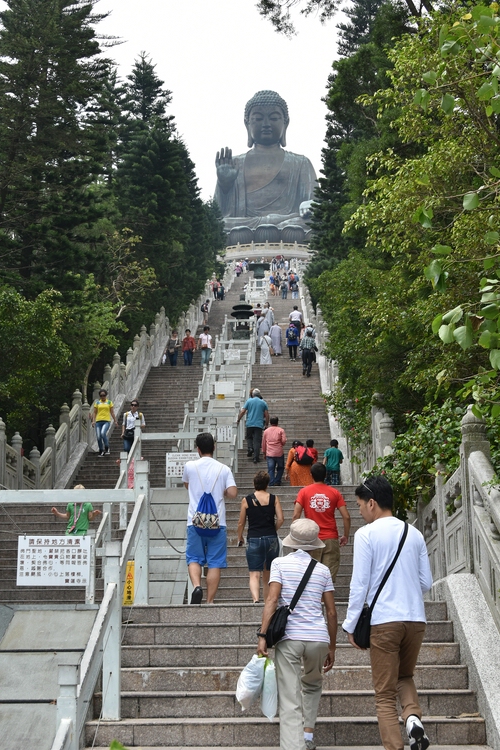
(267, 185)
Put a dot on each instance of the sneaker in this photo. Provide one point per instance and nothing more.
(416, 733)
(100, 454)
(249, 454)
(310, 745)
(106, 452)
(197, 595)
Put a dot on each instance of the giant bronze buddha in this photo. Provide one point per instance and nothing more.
(267, 186)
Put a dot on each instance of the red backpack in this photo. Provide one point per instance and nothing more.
(303, 456)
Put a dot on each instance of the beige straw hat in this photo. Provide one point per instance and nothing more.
(303, 535)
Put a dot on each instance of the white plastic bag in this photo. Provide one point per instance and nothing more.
(269, 697)
(164, 359)
(250, 681)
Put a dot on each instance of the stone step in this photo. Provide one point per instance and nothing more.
(239, 731)
(232, 613)
(223, 703)
(216, 633)
(325, 747)
(221, 655)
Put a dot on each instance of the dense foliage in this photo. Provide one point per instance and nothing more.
(101, 222)
(419, 190)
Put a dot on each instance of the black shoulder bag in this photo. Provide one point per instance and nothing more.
(363, 627)
(277, 626)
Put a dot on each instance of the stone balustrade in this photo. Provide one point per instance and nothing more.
(64, 449)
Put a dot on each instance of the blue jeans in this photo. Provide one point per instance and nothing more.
(284, 293)
(261, 551)
(275, 468)
(205, 356)
(172, 358)
(101, 433)
(188, 357)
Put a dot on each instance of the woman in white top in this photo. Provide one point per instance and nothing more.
(309, 642)
(205, 345)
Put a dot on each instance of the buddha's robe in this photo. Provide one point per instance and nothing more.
(275, 203)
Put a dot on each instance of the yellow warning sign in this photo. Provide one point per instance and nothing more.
(128, 591)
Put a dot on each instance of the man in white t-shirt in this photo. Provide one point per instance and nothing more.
(398, 617)
(309, 643)
(207, 475)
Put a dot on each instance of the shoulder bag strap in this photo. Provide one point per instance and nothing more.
(390, 568)
(215, 481)
(302, 585)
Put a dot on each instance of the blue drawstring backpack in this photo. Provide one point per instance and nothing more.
(206, 519)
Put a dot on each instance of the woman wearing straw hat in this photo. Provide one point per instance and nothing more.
(309, 642)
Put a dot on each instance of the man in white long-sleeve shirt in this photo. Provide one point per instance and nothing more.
(398, 617)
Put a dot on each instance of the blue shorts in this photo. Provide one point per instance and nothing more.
(206, 550)
(260, 550)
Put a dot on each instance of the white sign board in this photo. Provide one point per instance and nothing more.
(53, 560)
(231, 354)
(225, 387)
(224, 433)
(177, 461)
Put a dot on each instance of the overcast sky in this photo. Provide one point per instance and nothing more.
(214, 55)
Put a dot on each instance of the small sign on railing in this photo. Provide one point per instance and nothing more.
(128, 591)
(177, 461)
(224, 433)
(232, 354)
(53, 560)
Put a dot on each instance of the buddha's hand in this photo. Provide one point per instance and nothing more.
(226, 168)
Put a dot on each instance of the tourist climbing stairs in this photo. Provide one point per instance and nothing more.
(180, 664)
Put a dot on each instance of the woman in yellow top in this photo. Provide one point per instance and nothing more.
(101, 419)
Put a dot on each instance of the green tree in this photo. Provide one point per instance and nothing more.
(51, 76)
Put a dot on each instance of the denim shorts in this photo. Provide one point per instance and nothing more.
(262, 550)
(206, 550)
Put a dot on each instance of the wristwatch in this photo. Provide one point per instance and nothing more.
(261, 635)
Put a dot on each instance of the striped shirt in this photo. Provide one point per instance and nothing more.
(306, 622)
(307, 343)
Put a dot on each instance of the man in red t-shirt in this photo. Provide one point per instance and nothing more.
(319, 501)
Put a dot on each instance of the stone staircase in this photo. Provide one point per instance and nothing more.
(180, 664)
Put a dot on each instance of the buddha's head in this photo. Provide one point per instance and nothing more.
(266, 119)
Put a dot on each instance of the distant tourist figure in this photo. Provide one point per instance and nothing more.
(308, 648)
(275, 334)
(172, 348)
(101, 419)
(292, 341)
(204, 309)
(319, 502)
(205, 345)
(332, 460)
(265, 517)
(78, 515)
(257, 418)
(266, 350)
(307, 347)
(299, 474)
(284, 289)
(220, 291)
(215, 288)
(210, 476)
(398, 617)
(273, 443)
(188, 347)
(128, 426)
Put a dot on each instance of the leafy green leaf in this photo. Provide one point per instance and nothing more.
(495, 358)
(442, 249)
(490, 312)
(477, 411)
(489, 263)
(463, 335)
(436, 323)
(448, 104)
(423, 180)
(430, 77)
(485, 92)
(446, 334)
(450, 47)
(485, 340)
(491, 238)
(453, 316)
(495, 410)
(471, 201)
(496, 173)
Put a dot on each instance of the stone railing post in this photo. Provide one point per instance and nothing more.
(85, 422)
(141, 487)
(17, 444)
(64, 419)
(111, 672)
(3, 453)
(106, 379)
(95, 394)
(387, 435)
(35, 460)
(77, 401)
(473, 439)
(50, 442)
(68, 678)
